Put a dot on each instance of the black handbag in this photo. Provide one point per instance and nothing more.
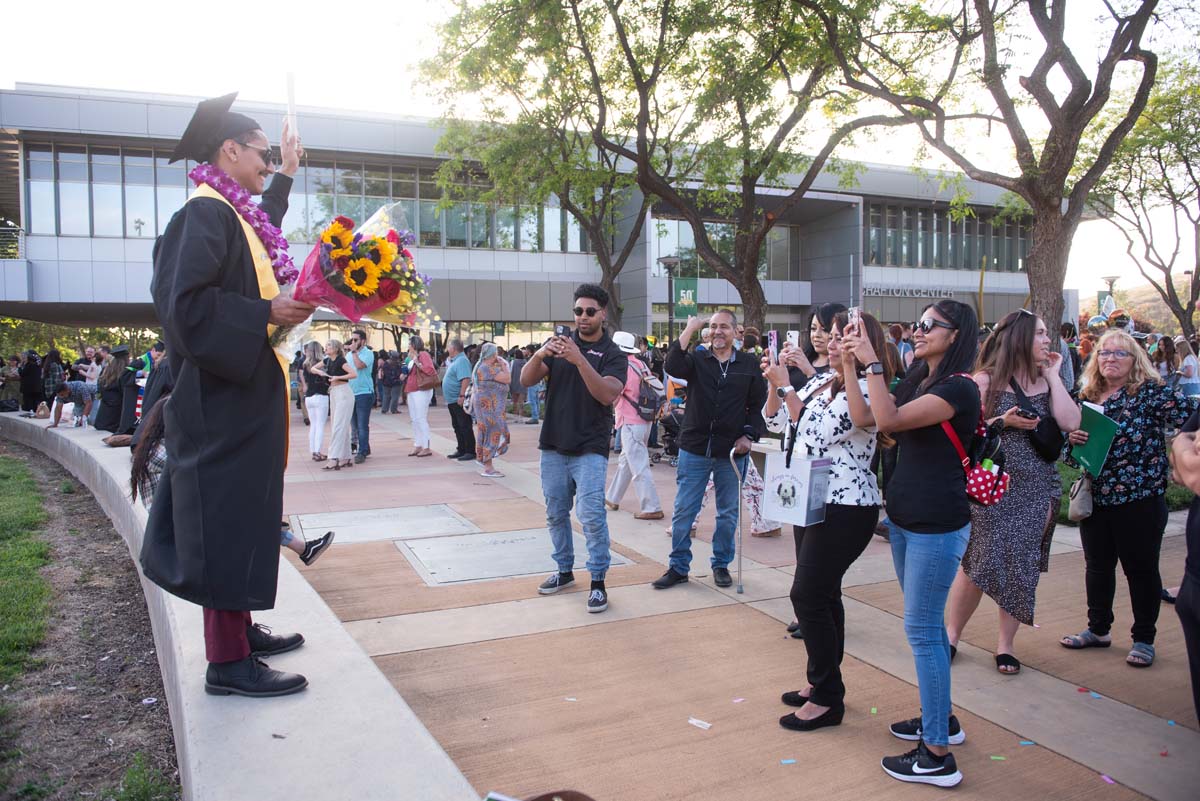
(1048, 439)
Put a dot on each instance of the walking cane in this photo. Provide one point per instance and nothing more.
(738, 473)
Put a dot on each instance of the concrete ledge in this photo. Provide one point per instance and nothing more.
(349, 735)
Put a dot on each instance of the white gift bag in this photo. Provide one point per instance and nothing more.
(794, 488)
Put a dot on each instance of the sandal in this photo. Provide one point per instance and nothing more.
(321, 457)
(1007, 664)
(492, 474)
(334, 466)
(1141, 655)
(1084, 639)
(425, 452)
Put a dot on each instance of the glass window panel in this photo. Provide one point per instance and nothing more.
(777, 253)
(404, 182)
(72, 164)
(875, 234)
(320, 179)
(320, 210)
(667, 238)
(106, 205)
(456, 226)
(39, 152)
(481, 226)
(349, 179)
(941, 240)
(431, 224)
(506, 228)
(404, 215)
(575, 235)
(376, 181)
(40, 207)
(139, 167)
(40, 170)
(170, 199)
(957, 244)
(687, 250)
(925, 240)
(552, 226)
(892, 254)
(528, 221)
(351, 206)
(1010, 245)
(75, 218)
(906, 237)
(139, 211)
(295, 225)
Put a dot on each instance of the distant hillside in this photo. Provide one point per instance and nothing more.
(1143, 303)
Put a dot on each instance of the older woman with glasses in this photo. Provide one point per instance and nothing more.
(1129, 509)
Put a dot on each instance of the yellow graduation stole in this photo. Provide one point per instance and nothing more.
(268, 287)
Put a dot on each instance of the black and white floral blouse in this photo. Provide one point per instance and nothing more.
(827, 432)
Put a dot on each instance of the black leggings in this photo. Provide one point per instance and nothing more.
(824, 552)
(1187, 604)
(1129, 533)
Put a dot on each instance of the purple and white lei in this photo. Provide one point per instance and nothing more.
(271, 237)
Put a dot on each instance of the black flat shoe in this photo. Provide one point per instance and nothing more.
(793, 626)
(721, 577)
(252, 678)
(264, 643)
(669, 579)
(831, 717)
(794, 698)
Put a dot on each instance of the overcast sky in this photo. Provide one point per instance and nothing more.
(165, 47)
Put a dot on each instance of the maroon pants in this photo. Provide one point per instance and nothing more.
(225, 635)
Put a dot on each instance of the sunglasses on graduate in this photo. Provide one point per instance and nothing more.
(591, 311)
(925, 326)
(265, 153)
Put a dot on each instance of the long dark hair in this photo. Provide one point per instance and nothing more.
(825, 314)
(52, 357)
(959, 357)
(152, 434)
(1007, 353)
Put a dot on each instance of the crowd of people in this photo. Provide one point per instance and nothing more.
(886, 411)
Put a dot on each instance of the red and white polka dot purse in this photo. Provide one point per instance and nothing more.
(986, 480)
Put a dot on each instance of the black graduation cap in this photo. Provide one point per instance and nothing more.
(119, 349)
(211, 125)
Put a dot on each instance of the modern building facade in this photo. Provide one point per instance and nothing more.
(85, 184)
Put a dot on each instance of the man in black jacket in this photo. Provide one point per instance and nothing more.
(726, 393)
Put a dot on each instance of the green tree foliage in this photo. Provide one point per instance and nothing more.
(966, 87)
(1151, 193)
(19, 335)
(534, 144)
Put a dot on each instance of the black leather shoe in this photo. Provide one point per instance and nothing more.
(721, 577)
(794, 698)
(793, 626)
(668, 579)
(251, 677)
(466, 457)
(454, 455)
(264, 643)
(830, 717)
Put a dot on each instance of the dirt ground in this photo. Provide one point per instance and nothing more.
(93, 698)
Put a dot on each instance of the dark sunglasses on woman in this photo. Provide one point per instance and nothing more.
(925, 326)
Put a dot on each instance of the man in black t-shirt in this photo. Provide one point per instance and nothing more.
(586, 373)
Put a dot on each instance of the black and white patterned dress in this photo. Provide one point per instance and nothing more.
(827, 432)
(1010, 541)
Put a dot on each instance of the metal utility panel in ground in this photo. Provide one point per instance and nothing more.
(492, 555)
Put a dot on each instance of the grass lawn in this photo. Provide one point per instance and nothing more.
(1177, 497)
(24, 594)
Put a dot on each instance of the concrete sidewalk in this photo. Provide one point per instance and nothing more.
(435, 571)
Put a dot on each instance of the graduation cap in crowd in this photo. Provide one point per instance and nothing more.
(119, 349)
(211, 125)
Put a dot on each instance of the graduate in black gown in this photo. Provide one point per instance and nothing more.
(213, 530)
(111, 382)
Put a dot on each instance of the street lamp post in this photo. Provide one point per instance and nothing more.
(1110, 280)
(669, 264)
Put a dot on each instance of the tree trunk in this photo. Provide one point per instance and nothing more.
(608, 282)
(754, 304)
(1046, 266)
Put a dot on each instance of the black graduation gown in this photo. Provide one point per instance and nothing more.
(129, 394)
(213, 531)
(108, 416)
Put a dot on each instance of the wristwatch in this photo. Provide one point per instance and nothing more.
(782, 392)
(875, 368)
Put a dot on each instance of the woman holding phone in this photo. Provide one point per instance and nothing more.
(928, 513)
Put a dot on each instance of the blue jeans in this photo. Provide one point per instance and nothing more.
(926, 565)
(535, 406)
(691, 480)
(578, 479)
(361, 422)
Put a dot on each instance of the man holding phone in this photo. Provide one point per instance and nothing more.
(726, 393)
(586, 373)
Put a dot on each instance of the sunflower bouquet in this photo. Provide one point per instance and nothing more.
(367, 272)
